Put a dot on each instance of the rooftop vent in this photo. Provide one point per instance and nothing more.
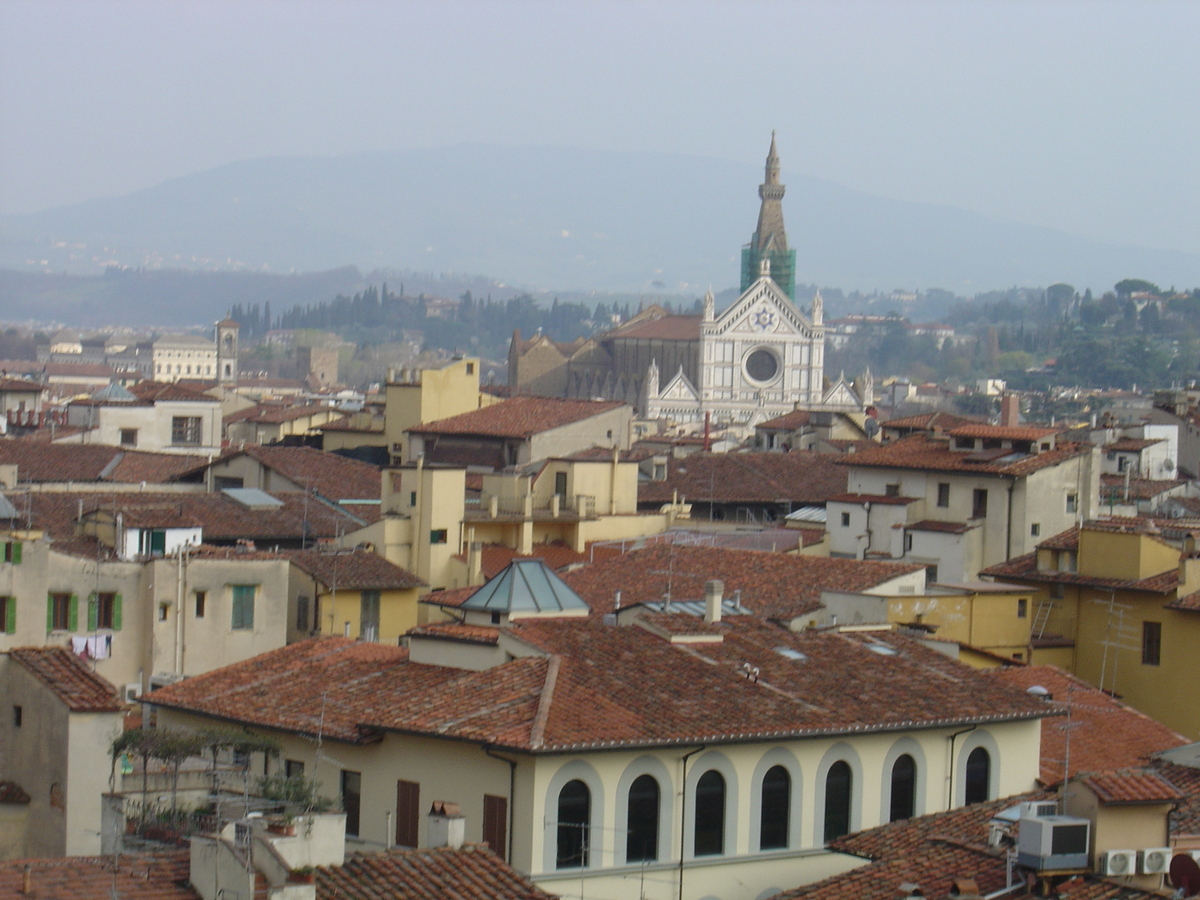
(252, 498)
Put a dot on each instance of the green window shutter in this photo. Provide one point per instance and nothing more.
(73, 614)
(116, 612)
(49, 613)
(93, 611)
(10, 617)
(16, 553)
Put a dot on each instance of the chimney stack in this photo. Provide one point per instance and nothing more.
(713, 591)
(447, 825)
(1010, 410)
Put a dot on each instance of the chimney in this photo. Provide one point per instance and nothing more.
(965, 889)
(712, 601)
(1010, 410)
(27, 881)
(447, 825)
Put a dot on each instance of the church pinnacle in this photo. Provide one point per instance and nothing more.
(769, 240)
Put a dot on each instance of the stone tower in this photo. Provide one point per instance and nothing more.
(227, 351)
(769, 240)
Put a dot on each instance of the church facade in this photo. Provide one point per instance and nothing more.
(759, 358)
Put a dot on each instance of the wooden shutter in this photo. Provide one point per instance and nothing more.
(495, 823)
(10, 615)
(16, 552)
(408, 812)
(116, 616)
(73, 615)
(49, 613)
(93, 611)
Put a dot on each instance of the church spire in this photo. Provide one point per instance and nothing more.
(769, 240)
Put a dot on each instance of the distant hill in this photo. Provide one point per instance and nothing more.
(557, 219)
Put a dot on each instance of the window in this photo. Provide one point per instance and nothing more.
(1035, 529)
(904, 789)
(943, 499)
(838, 785)
(226, 482)
(709, 837)
(438, 536)
(408, 813)
(776, 808)
(979, 773)
(412, 499)
(368, 614)
(845, 520)
(1022, 607)
(931, 574)
(185, 430)
(18, 716)
(979, 503)
(574, 816)
(1151, 643)
(891, 490)
(293, 769)
(129, 437)
(470, 368)
(62, 611)
(302, 614)
(8, 614)
(908, 538)
(352, 799)
(560, 483)
(12, 552)
(641, 831)
(201, 597)
(1072, 503)
(495, 823)
(243, 608)
(162, 611)
(1057, 592)
(104, 611)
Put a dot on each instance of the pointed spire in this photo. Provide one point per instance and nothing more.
(772, 173)
(770, 238)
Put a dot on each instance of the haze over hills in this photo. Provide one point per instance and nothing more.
(553, 218)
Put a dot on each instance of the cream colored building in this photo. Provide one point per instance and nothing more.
(160, 418)
(414, 396)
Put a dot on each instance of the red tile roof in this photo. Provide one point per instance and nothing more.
(1139, 488)
(557, 556)
(1105, 733)
(664, 328)
(1185, 817)
(451, 599)
(1024, 568)
(157, 876)
(519, 417)
(945, 527)
(775, 585)
(15, 385)
(457, 631)
(921, 452)
(1003, 432)
(329, 474)
(1135, 786)
(935, 421)
(1189, 603)
(884, 499)
(787, 422)
(800, 477)
(157, 391)
(42, 462)
(64, 673)
(1064, 540)
(274, 414)
(354, 570)
(472, 872)
(1133, 444)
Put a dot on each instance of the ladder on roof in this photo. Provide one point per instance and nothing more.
(1041, 616)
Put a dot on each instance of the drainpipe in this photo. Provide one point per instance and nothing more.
(950, 779)
(512, 805)
(683, 815)
(1012, 483)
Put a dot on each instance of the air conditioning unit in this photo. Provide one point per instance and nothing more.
(1118, 862)
(1039, 808)
(131, 691)
(1053, 843)
(1155, 861)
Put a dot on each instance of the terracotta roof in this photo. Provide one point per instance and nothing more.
(1185, 817)
(1133, 444)
(42, 462)
(1189, 603)
(15, 385)
(884, 499)
(1105, 733)
(458, 631)
(354, 570)
(1064, 540)
(348, 424)
(157, 876)
(775, 585)
(787, 422)
(274, 414)
(800, 477)
(664, 328)
(1025, 567)
(472, 872)
(1003, 432)
(79, 688)
(1139, 488)
(519, 417)
(945, 527)
(934, 421)
(157, 391)
(596, 686)
(452, 599)
(1136, 786)
(918, 451)
(496, 556)
(329, 474)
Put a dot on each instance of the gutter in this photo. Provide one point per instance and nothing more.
(512, 804)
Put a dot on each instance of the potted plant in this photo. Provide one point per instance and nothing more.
(282, 825)
(302, 875)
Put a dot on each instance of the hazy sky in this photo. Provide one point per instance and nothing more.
(1079, 115)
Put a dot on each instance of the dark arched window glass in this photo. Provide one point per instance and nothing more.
(641, 838)
(710, 814)
(904, 789)
(776, 807)
(979, 773)
(838, 785)
(574, 814)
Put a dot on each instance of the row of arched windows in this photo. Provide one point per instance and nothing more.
(774, 808)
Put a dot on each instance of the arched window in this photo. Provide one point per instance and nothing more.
(979, 774)
(904, 789)
(641, 839)
(838, 785)
(710, 814)
(574, 814)
(776, 807)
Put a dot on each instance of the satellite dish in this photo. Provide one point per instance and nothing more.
(1168, 465)
(1185, 874)
(1038, 691)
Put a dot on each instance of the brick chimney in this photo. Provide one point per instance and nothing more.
(1010, 410)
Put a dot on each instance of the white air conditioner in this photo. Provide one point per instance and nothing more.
(1039, 808)
(1118, 862)
(130, 692)
(1155, 860)
(1048, 843)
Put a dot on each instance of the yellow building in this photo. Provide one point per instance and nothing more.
(413, 396)
(982, 615)
(1119, 606)
(354, 593)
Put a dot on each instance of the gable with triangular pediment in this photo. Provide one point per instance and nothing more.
(841, 394)
(680, 388)
(762, 310)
